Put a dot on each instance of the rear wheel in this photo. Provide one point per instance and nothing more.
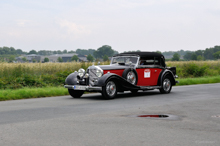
(109, 91)
(75, 93)
(166, 85)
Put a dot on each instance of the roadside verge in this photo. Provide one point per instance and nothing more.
(24, 93)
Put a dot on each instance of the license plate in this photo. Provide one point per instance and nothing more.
(79, 87)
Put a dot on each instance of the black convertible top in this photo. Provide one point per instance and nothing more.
(141, 54)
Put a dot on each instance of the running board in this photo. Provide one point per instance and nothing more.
(149, 87)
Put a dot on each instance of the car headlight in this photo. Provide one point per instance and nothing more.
(81, 72)
(99, 72)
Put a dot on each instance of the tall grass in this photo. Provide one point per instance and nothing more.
(186, 69)
(19, 69)
(19, 75)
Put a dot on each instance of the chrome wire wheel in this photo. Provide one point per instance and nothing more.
(131, 77)
(110, 88)
(166, 85)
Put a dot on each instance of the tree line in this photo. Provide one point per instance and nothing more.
(212, 53)
(106, 51)
(207, 54)
(102, 52)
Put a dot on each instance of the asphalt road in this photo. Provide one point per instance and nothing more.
(194, 119)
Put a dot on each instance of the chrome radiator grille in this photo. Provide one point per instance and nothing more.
(92, 76)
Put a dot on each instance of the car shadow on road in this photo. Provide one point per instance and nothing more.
(98, 96)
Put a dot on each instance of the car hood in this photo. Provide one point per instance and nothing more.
(113, 67)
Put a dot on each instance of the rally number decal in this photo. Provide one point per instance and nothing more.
(147, 73)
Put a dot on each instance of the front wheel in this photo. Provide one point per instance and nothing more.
(109, 91)
(166, 85)
(75, 93)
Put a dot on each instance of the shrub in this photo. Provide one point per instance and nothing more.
(193, 70)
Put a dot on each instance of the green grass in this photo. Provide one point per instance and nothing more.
(199, 80)
(24, 93)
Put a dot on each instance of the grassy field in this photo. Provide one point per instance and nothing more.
(31, 80)
(186, 69)
(19, 75)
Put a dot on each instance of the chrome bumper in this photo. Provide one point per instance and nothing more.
(83, 87)
(176, 76)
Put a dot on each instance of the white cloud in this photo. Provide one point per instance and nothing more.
(22, 22)
(76, 30)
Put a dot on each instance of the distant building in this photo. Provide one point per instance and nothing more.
(67, 57)
(29, 58)
(82, 58)
(19, 59)
(33, 58)
(52, 58)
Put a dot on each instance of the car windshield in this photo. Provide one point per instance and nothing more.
(124, 60)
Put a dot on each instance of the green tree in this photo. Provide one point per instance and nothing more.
(59, 52)
(11, 59)
(24, 59)
(90, 58)
(71, 51)
(199, 58)
(105, 58)
(60, 59)
(217, 55)
(115, 52)
(85, 52)
(209, 52)
(45, 52)
(193, 56)
(75, 58)
(176, 57)
(187, 56)
(159, 52)
(46, 59)
(19, 51)
(6, 50)
(104, 50)
(199, 52)
(32, 52)
(64, 51)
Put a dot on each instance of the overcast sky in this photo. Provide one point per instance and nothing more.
(146, 25)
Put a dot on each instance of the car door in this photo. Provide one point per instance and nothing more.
(148, 72)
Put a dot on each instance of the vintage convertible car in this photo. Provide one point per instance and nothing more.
(131, 71)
